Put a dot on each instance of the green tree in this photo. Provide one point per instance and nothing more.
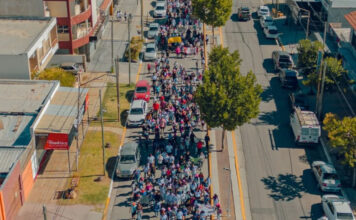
(227, 98)
(308, 55)
(342, 134)
(66, 79)
(212, 12)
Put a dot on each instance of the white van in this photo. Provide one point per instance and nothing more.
(305, 126)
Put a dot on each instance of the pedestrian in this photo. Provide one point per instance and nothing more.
(207, 140)
(199, 147)
(149, 68)
(156, 208)
(133, 210)
(139, 211)
(125, 16)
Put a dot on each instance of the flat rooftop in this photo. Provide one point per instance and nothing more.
(18, 35)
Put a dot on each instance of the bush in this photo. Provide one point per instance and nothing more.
(136, 45)
(66, 79)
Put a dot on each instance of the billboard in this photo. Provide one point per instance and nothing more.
(57, 141)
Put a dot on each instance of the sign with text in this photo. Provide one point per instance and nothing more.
(57, 141)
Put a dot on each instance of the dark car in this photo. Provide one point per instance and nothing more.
(243, 13)
(288, 78)
(282, 59)
(298, 100)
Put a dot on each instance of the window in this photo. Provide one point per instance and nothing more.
(331, 207)
(62, 29)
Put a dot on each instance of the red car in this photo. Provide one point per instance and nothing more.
(142, 90)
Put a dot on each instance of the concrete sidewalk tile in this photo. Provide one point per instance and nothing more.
(214, 164)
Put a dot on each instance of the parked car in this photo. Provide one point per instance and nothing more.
(336, 207)
(282, 59)
(150, 52)
(288, 78)
(271, 32)
(305, 126)
(266, 21)
(263, 11)
(326, 176)
(153, 30)
(137, 114)
(71, 67)
(243, 13)
(128, 160)
(298, 100)
(161, 1)
(160, 10)
(142, 91)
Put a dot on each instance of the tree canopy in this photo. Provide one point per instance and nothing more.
(66, 79)
(308, 55)
(227, 98)
(212, 12)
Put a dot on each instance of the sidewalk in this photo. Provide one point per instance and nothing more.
(53, 176)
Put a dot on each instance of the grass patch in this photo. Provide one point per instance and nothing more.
(90, 192)
(110, 105)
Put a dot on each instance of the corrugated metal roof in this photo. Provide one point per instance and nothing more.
(351, 18)
(8, 156)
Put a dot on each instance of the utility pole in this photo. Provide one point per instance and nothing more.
(117, 88)
(320, 76)
(308, 23)
(142, 19)
(320, 106)
(112, 44)
(102, 130)
(129, 40)
(77, 135)
(44, 211)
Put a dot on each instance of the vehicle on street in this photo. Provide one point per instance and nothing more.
(137, 114)
(161, 1)
(153, 30)
(150, 52)
(160, 10)
(288, 78)
(282, 59)
(142, 91)
(298, 100)
(71, 67)
(337, 207)
(305, 126)
(266, 21)
(263, 11)
(128, 160)
(271, 32)
(243, 14)
(326, 176)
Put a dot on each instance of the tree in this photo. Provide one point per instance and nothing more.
(227, 98)
(308, 55)
(66, 79)
(334, 71)
(212, 12)
(342, 134)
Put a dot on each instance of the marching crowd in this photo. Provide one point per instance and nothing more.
(172, 183)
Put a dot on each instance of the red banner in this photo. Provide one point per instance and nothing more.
(57, 141)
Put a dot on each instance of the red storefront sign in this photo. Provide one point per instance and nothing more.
(57, 141)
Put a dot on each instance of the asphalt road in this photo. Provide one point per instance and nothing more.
(279, 179)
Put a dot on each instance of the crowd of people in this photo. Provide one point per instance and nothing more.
(172, 183)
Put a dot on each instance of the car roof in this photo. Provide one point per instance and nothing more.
(137, 103)
(129, 148)
(340, 203)
(160, 4)
(154, 25)
(151, 45)
(263, 7)
(282, 53)
(325, 167)
(290, 72)
(142, 83)
(271, 27)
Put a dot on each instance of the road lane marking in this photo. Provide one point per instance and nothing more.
(221, 37)
(242, 203)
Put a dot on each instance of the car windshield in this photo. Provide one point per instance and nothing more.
(272, 31)
(264, 10)
(141, 89)
(153, 28)
(150, 49)
(284, 59)
(160, 8)
(136, 111)
(330, 176)
(268, 19)
(127, 159)
(346, 216)
(291, 79)
(314, 131)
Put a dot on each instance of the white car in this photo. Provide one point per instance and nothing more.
(161, 1)
(160, 10)
(271, 32)
(137, 114)
(150, 52)
(266, 21)
(153, 30)
(336, 208)
(263, 11)
(326, 176)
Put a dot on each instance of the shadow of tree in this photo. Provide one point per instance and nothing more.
(129, 94)
(123, 117)
(285, 187)
(267, 94)
(110, 166)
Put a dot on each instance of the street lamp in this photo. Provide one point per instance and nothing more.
(228, 201)
(129, 39)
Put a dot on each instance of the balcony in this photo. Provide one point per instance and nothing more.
(82, 16)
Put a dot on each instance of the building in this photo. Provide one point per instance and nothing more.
(78, 21)
(27, 45)
(333, 11)
(35, 117)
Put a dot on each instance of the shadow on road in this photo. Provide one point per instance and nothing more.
(110, 166)
(260, 35)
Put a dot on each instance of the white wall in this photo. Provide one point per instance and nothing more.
(14, 67)
(22, 7)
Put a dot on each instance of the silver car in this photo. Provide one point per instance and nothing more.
(153, 30)
(326, 176)
(150, 52)
(160, 10)
(137, 113)
(336, 207)
(128, 160)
